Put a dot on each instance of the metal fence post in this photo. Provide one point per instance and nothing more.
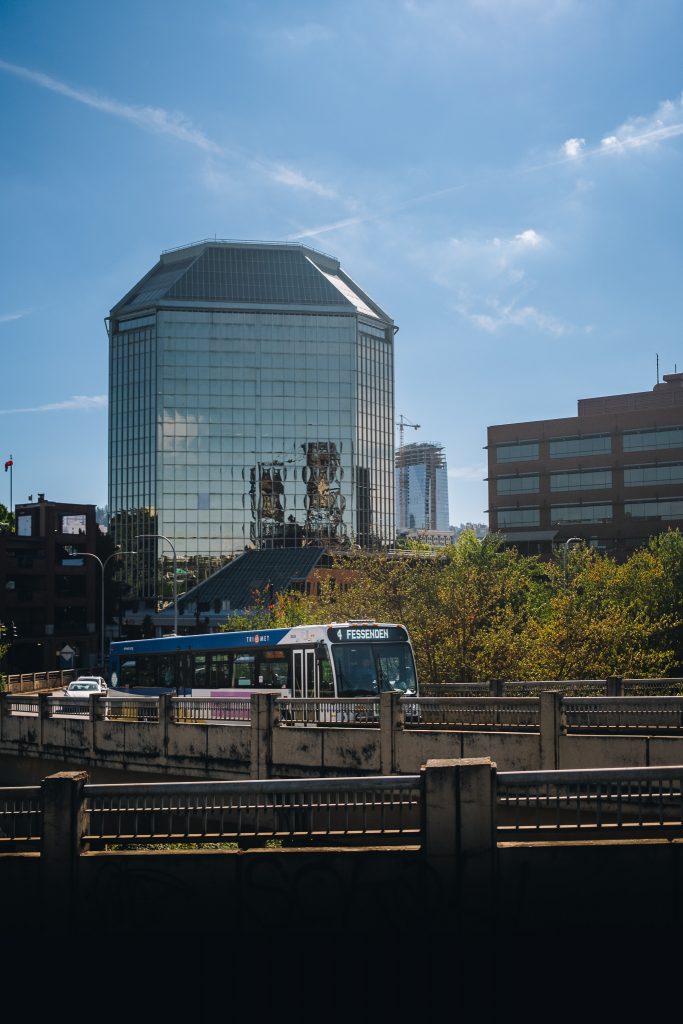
(550, 726)
(615, 686)
(64, 823)
(496, 687)
(390, 720)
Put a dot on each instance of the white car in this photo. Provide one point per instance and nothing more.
(86, 685)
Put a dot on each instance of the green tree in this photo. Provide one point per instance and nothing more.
(7, 520)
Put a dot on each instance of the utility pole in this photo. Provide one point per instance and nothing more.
(402, 511)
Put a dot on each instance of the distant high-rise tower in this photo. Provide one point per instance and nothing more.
(421, 487)
(251, 404)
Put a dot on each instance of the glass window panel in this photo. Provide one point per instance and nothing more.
(637, 476)
(589, 513)
(651, 440)
(672, 509)
(581, 480)
(517, 484)
(566, 447)
(518, 517)
(518, 452)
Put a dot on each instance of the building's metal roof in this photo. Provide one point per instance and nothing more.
(248, 273)
(271, 571)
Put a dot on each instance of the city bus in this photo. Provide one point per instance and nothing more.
(339, 659)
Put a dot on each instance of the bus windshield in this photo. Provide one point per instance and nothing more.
(364, 670)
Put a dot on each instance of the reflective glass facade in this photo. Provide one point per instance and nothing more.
(421, 487)
(268, 424)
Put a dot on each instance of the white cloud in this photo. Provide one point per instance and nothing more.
(324, 229)
(490, 278)
(152, 118)
(511, 315)
(164, 122)
(479, 261)
(84, 402)
(528, 239)
(635, 133)
(665, 123)
(6, 318)
(573, 148)
(295, 179)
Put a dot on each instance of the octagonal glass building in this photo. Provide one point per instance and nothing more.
(251, 405)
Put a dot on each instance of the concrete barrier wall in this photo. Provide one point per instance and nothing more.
(457, 878)
(264, 748)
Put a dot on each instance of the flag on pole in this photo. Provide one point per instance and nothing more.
(9, 463)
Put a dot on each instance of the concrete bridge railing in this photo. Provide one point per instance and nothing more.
(265, 740)
(461, 860)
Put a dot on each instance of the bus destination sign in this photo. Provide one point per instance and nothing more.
(354, 634)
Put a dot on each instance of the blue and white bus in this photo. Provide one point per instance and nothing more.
(340, 659)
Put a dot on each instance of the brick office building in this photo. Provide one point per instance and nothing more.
(612, 475)
(48, 596)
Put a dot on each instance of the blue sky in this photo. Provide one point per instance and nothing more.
(502, 176)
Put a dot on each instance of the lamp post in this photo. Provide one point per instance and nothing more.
(570, 540)
(103, 566)
(160, 536)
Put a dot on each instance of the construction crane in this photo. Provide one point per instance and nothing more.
(403, 422)
(402, 511)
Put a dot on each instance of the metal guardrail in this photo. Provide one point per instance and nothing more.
(569, 806)
(21, 817)
(632, 715)
(382, 806)
(139, 709)
(519, 688)
(567, 687)
(211, 709)
(672, 687)
(633, 803)
(20, 704)
(623, 714)
(71, 706)
(652, 687)
(329, 711)
(464, 713)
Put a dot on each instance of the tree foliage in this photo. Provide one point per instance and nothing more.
(478, 611)
(7, 519)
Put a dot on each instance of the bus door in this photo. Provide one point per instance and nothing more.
(305, 673)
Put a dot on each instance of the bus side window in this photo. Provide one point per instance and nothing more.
(200, 673)
(128, 674)
(220, 670)
(273, 670)
(243, 670)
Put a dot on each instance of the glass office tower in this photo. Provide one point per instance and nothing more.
(251, 404)
(422, 487)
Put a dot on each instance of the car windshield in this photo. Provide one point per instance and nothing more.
(83, 687)
(367, 669)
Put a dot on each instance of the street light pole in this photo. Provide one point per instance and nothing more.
(160, 536)
(103, 566)
(570, 540)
